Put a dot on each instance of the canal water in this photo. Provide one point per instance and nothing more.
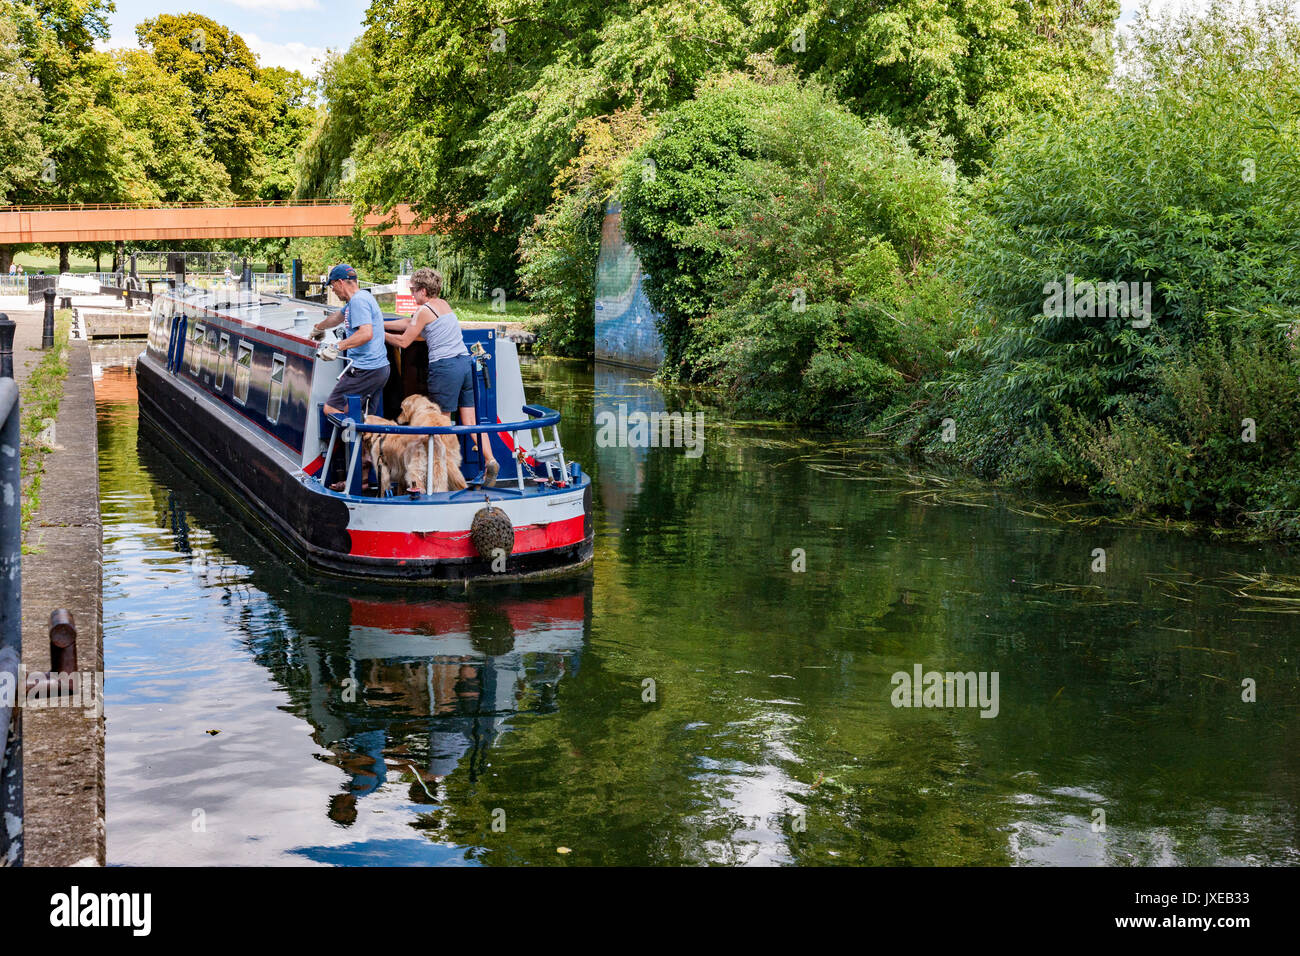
(720, 688)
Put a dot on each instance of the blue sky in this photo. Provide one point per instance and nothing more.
(290, 33)
(295, 33)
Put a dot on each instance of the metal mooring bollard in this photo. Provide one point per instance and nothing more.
(47, 335)
(7, 327)
(61, 678)
(63, 642)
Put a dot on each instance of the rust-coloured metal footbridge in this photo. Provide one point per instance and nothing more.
(111, 222)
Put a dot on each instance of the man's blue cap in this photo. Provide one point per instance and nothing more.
(341, 272)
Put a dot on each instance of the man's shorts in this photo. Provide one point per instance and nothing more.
(366, 382)
(451, 383)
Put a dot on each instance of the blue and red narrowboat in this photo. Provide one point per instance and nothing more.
(234, 379)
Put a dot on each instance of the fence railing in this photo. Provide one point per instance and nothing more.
(262, 281)
(11, 634)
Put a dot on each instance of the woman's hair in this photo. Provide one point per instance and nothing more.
(430, 280)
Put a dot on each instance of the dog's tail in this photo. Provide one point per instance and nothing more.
(449, 463)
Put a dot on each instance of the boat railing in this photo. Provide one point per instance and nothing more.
(347, 428)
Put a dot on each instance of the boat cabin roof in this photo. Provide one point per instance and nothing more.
(290, 317)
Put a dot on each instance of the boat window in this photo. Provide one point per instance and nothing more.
(210, 352)
(223, 358)
(243, 371)
(276, 392)
(196, 348)
(162, 315)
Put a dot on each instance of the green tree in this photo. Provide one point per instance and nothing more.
(793, 270)
(966, 72)
(90, 156)
(559, 251)
(293, 115)
(326, 162)
(1184, 181)
(471, 105)
(230, 104)
(158, 108)
(21, 106)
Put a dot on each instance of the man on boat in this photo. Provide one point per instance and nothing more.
(364, 345)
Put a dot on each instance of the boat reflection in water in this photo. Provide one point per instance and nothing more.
(446, 676)
(401, 694)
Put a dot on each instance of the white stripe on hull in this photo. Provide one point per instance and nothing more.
(403, 515)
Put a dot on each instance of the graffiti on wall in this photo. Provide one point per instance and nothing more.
(626, 327)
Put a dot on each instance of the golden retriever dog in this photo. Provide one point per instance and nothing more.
(403, 457)
(421, 412)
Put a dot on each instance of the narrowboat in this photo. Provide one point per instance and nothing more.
(233, 378)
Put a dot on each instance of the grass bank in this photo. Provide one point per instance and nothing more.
(40, 396)
(480, 310)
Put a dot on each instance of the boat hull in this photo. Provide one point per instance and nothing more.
(352, 537)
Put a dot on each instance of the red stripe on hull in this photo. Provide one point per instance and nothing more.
(403, 546)
(444, 617)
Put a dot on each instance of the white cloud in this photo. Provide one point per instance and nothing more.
(291, 56)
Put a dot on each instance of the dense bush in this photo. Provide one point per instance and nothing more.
(786, 242)
(1184, 177)
(678, 187)
(1215, 435)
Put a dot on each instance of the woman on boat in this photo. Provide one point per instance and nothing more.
(451, 372)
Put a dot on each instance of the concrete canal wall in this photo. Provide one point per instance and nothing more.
(63, 760)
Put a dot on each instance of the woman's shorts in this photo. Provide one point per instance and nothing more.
(451, 383)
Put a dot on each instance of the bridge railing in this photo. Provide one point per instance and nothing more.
(233, 204)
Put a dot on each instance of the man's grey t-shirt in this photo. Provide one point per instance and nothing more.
(360, 309)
